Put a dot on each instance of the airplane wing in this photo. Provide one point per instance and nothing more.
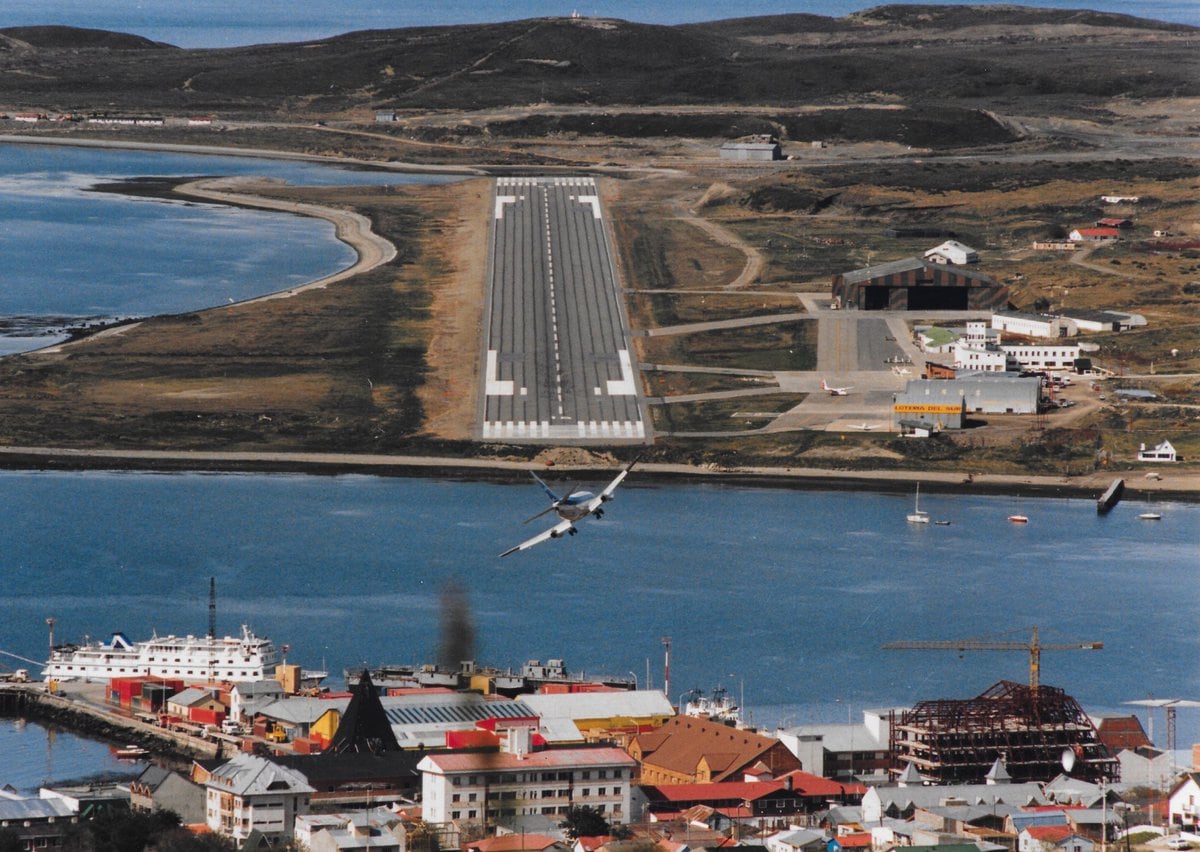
(606, 495)
(557, 531)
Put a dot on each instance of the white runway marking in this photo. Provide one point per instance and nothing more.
(501, 200)
(494, 387)
(624, 386)
(593, 200)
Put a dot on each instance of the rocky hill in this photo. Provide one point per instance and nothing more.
(910, 53)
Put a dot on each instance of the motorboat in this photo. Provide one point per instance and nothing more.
(1018, 519)
(1150, 516)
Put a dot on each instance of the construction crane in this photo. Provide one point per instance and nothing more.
(1033, 647)
(1170, 704)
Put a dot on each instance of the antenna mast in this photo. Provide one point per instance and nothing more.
(666, 640)
(212, 607)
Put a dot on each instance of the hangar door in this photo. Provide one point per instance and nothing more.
(937, 298)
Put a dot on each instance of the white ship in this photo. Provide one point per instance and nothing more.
(232, 658)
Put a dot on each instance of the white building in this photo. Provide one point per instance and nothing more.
(378, 829)
(1041, 357)
(1183, 802)
(952, 252)
(1164, 452)
(485, 786)
(1034, 325)
(249, 793)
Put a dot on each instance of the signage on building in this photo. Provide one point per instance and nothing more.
(927, 408)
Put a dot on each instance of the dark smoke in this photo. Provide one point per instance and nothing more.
(458, 630)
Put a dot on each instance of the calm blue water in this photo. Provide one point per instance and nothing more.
(785, 594)
(31, 755)
(224, 23)
(72, 253)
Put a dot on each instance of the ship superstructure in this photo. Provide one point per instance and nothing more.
(232, 658)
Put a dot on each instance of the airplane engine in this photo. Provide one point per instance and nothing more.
(599, 513)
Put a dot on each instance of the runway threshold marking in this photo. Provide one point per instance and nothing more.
(625, 385)
(502, 200)
(593, 200)
(493, 385)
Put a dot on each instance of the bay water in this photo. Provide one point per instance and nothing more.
(782, 596)
(73, 255)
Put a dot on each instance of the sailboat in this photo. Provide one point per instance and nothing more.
(917, 516)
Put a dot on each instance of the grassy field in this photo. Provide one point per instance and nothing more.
(749, 412)
(778, 346)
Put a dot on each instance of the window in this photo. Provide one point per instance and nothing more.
(456, 798)
(586, 791)
(455, 814)
(472, 797)
(602, 791)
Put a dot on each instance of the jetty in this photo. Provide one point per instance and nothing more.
(77, 713)
(1110, 497)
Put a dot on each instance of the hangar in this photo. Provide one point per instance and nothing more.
(913, 284)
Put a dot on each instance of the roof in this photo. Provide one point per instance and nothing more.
(858, 840)
(1051, 833)
(250, 775)
(364, 727)
(34, 809)
(973, 794)
(302, 710)
(749, 146)
(600, 705)
(910, 264)
(258, 687)
(1097, 232)
(190, 696)
(492, 760)
(938, 336)
(797, 838)
(684, 743)
(442, 708)
(951, 245)
(514, 843)
(720, 790)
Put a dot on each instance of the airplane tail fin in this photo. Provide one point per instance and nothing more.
(554, 498)
(823, 385)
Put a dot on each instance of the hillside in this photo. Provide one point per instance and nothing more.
(967, 54)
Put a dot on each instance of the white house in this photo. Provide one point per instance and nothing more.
(1052, 838)
(250, 792)
(1183, 802)
(484, 786)
(952, 252)
(1164, 452)
(797, 840)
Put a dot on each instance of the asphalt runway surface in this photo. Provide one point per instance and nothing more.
(557, 365)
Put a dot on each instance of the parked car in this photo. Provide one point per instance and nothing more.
(1178, 843)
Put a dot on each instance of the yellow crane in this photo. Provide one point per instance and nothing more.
(1033, 647)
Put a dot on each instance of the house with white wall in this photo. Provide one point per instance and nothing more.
(249, 793)
(1183, 802)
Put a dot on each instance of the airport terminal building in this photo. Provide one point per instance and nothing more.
(915, 284)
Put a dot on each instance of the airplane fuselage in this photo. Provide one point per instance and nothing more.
(574, 508)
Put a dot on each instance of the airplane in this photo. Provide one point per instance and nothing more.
(866, 427)
(571, 507)
(835, 391)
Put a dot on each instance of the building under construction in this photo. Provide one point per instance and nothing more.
(1028, 728)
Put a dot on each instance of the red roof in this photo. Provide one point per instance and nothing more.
(807, 784)
(1098, 232)
(588, 844)
(748, 790)
(854, 841)
(513, 843)
(1052, 833)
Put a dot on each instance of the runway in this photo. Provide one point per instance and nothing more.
(557, 365)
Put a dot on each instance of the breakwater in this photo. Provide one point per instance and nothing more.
(32, 701)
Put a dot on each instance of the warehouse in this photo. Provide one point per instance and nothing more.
(944, 403)
(1034, 325)
(916, 284)
(756, 148)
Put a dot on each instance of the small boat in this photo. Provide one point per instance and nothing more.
(942, 523)
(917, 516)
(130, 752)
(1150, 516)
(1018, 519)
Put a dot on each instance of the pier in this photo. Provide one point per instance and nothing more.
(75, 711)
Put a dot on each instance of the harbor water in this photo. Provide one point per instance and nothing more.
(782, 596)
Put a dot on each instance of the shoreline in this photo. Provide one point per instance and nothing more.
(1181, 486)
(373, 250)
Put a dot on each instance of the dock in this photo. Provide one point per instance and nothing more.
(78, 713)
(1110, 497)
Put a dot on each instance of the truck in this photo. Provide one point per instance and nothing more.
(15, 676)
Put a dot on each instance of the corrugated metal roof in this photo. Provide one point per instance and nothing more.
(34, 809)
(601, 705)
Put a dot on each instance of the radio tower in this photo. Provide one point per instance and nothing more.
(212, 607)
